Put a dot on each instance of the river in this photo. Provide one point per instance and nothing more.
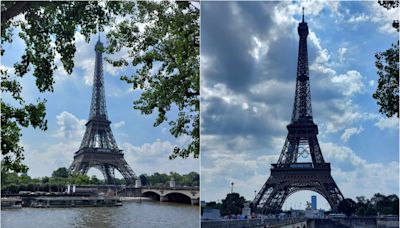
(131, 214)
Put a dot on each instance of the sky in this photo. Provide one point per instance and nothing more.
(146, 148)
(248, 70)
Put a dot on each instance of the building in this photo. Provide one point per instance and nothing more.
(314, 202)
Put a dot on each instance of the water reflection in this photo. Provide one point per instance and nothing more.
(131, 214)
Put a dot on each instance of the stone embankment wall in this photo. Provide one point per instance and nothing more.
(352, 222)
(232, 223)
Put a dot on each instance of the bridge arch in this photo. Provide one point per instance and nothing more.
(152, 195)
(178, 197)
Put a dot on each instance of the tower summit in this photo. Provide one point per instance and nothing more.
(302, 111)
(98, 148)
(288, 175)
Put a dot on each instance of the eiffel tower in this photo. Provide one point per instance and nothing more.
(288, 175)
(98, 148)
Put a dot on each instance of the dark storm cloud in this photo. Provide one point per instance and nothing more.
(227, 38)
(266, 84)
(227, 35)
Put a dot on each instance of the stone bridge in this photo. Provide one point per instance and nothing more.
(188, 195)
(175, 194)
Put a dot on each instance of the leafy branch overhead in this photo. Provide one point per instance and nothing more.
(387, 64)
(162, 39)
(40, 25)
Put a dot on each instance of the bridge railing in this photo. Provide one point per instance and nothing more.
(170, 188)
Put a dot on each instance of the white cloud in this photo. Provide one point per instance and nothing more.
(147, 158)
(119, 124)
(384, 17)
(43, 159)
(323, 69)
(349, 83)
(85, 58)
(55, 153)
(387, 123)
(360, 177)
(371, 82)
(342, 51)
(10, 70)
(220, 90)
(350, 132)
(70, 127)
(359, 18)
(222, 165)
(260, 48)
(338, 114)
(154, 157)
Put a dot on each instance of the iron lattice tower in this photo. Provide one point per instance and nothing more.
(288, 175)
(98, 148)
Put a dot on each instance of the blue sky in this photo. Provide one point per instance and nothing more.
(248, 69)
(146, 147)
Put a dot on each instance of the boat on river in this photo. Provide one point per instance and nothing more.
(76, 201)
(11, 202)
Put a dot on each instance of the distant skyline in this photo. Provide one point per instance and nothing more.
(146, 148)
(248, 71)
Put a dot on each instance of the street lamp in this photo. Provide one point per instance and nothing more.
(232, 187)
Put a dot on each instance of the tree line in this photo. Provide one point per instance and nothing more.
(13, 183)
(379, 204)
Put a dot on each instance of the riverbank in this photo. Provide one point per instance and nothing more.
(64, 200)
(134, 199)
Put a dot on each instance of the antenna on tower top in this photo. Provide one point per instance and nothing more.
(303, 13)
(98, 30)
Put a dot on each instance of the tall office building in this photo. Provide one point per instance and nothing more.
(314, 202)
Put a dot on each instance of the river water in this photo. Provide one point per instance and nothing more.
(131, 214)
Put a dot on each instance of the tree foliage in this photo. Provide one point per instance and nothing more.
(347, 206)
(378, 204)
(232, 204)
(14, 182)
(162, 39)
(40, 25)
(60, 172)
(162, 179)
(387, 64)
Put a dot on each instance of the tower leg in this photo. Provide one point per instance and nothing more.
(108, 173)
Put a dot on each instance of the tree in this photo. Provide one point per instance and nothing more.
(143, 180)
(44, 24)
(9, 178)
(385, 204)
(80, 179)
(387, 63)
(60, 172)
(191, 179)
(347, 206)
(158, 179)
(232, 204)
(166, 55)
(45, 180)
(95, 180)
(378, 204)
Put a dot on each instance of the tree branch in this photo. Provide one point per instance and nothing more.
(14, 10)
